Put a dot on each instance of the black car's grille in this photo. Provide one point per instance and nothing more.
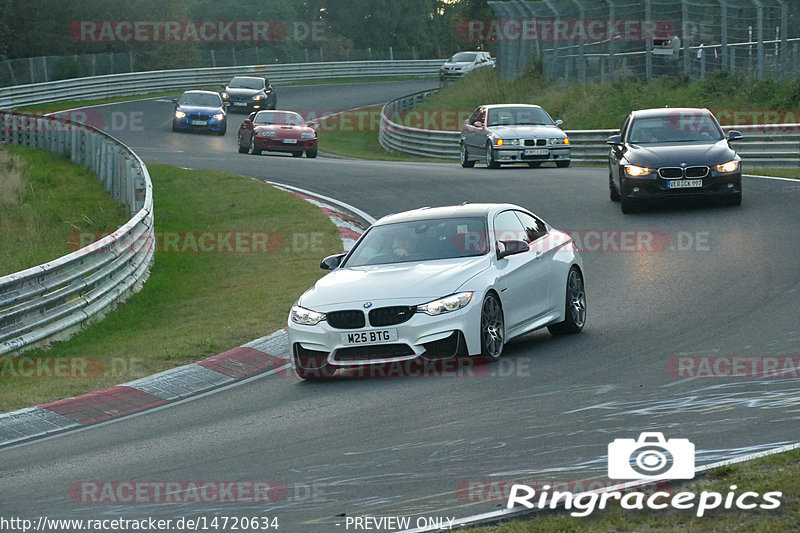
(535, 142)
(670, 172)
(696, 172)
(346, 319)
(390, 316)
(378, 351)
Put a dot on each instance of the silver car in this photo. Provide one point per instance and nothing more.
(463, 63)
(513, 133)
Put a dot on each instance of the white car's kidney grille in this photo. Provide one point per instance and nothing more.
(390, 316)
(346, 319)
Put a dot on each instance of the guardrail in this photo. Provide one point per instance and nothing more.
(763, 146)
(164, 80)
(50, 301)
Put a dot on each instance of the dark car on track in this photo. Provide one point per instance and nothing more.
(200, 111)
(250, 93)
(277, 131)
(673, 153)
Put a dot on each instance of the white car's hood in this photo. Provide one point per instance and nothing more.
(523, 131)
(418, 282)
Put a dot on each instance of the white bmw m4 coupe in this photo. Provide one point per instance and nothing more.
(438, 283)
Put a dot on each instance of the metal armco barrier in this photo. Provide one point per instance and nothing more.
(165, 80)
(763, 146)
(50, 301)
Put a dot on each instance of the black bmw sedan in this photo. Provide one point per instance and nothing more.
(249, 93)
(673, 152)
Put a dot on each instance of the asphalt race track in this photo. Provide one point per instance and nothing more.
(717, 281)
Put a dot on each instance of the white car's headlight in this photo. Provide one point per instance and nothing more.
(219, 116)
(307, 135)
(268, 134)
(559, 140)
(306, 317)
(447, 304)
(730, 166)
(637, 171)
(179, 114)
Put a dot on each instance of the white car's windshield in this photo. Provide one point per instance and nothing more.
(677, 127)
(421, 240)
(519, 116)
(246, 83)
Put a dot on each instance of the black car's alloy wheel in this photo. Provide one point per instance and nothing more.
(492, 328)
(612, 191)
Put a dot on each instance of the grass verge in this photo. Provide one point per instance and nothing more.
(355, 134)
(779, 472)
(793, 173)
(195, 305)
(45, 199)
(596, 106)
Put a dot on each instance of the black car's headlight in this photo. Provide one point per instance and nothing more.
(637, 171)
(258, 97)
(306, 317)
(725, 168)
(454, 302)
(224, 96)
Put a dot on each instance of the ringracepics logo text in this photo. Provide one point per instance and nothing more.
(649, 457)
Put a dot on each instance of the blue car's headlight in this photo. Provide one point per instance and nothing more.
(219, 116)
(306, 317)
(454, 302)
(180, 114)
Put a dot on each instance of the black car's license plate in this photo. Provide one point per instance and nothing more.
(684, 184)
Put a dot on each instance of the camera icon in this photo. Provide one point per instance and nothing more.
(651, 457)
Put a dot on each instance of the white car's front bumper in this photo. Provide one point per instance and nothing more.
(429, 337)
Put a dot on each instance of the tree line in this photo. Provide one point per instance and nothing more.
(31, 28)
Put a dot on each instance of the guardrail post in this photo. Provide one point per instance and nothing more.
(685, 36)
(724, 33)
(648, 56)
